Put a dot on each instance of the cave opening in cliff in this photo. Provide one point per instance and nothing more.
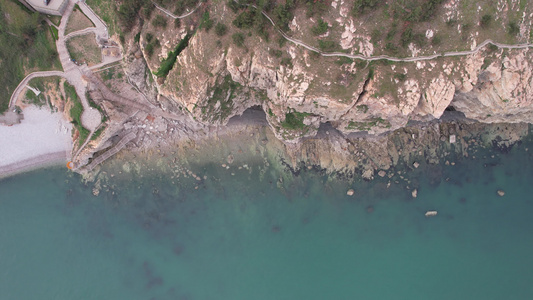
(450, 108)
(254, 114)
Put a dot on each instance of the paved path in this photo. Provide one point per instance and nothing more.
(101, 27)
(386, 57)
(24, 82)
(168, 13)
(90, 118)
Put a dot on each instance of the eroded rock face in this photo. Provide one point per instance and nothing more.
(503, 93)
(214, 80)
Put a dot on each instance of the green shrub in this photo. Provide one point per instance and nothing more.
(361, 7)
(283, 15)
(149, 50)
(320, 28)
(159, 21)
(221, 29)
(286, 61)
(436, 40)
(513, 28)
(485, 21)
(327, 45)
(238, 39)
(294, 121)
(275, 52)
(245, 20)
(400, 76)
(206, 22)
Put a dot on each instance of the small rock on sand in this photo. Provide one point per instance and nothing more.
(350, 192)
(230, 159)
(414, 193)
(416, 165)
(501, 193)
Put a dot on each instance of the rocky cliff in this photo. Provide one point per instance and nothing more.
(214, 79)
(320, 69)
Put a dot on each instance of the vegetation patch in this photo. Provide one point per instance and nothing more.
(107, 10)
(294, 120)
(98, 133)
(168, 63)
(366, 126)
(151, 44)
(320, 28)
(26, 45)
(76, 111)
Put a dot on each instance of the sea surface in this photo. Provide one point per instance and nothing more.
(250, 236)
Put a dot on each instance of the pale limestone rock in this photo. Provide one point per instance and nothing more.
(350, 192)
(504, 92)
(501, 193)
(436, 97)
(414, 193)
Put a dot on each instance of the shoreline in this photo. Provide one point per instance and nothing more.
(42, 139)
(34, 163)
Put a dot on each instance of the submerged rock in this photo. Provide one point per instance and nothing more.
(501, 193)
(350, 192)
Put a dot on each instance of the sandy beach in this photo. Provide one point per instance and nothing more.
(41, 139)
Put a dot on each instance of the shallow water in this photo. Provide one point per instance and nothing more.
(241, 237)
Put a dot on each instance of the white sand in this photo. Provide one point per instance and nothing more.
(40, 138)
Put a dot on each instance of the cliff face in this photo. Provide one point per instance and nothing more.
(214, 79)
(503, 91)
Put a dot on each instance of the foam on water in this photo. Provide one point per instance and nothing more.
(242, 237)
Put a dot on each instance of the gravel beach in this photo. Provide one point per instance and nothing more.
(43, 138)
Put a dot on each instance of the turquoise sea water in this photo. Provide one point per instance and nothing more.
(239, 237)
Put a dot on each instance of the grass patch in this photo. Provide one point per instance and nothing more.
(98, 133)
(107, 10)
(26, 45)
(54, 32)
(294, 120)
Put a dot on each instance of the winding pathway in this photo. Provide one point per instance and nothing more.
(168, 13)
(26, 80)
(386, 57)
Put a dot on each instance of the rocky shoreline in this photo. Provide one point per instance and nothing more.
(248, 144)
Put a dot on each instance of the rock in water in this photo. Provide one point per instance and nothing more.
(350, 192)
(430, 213)
(501, 193)
(414, 193)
